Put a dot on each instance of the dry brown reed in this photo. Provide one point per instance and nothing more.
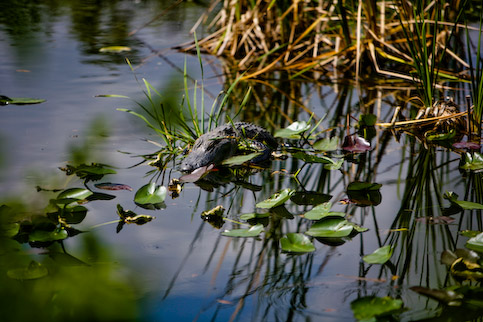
(355, 37)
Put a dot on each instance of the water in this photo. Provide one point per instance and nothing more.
(178, 267)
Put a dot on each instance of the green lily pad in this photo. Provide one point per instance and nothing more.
(358, 186)
(334, 165)
(73, 194)
(74, 215)
(114, 49)
(240, 159)
(150, 194)
(475, 243)
(254, 216)
(380, 255)
(277, 199)
(369, 308)
(473, 161)
(309, 198)
(331, 227)
(321, 211)
(293, 130)
(4, 100)
(296, 243)
(327, 144)
(310, 158)
(35, 270)
(253, 231)
(47, 236)
(467, 205)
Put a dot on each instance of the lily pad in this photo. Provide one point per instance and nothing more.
(369, 308)
(4, 100)
(253, 231)
(467, 205)
(293, 130)
(112, 186)
(34, 270)
(309, 198)
(250, 216)
(310, 158)
(48, 236)
(331, 227)
(276, 199)
(380, 255)
(321, 211)
(475, 243)
(296, 243)
(327, 144)
(240, 159)
(472, 161)
(114, 49)
(150, 194)
(73, 194)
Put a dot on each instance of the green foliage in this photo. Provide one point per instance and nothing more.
(253, 231)
(380, 255)
(150, 196)
(370, 308)
(296, 243)
(277, 199)
(321, 211)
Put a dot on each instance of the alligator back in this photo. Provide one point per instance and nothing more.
(222, 142)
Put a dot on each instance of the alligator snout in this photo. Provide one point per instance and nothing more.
(222, 143)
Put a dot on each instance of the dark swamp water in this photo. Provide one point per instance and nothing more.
(177, 266)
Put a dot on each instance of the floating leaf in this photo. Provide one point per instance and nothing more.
(4, 100)
(250, 232)
(309, 198)
(327, 144)
(73, 194)
(450, 296)
(293, 130)
(473, 161)
(240, 159)
(33, 271)
(369, 308)
(476, 243)
(469, 233)
(296, 243)
(321, 211)
(334, 165)
(380, 255)
(92, 172)
(150, 194)
(47, 236)
(73, 215)
(356, 144)
(367, 120)
(467, 205)
(357, 186)
(331, 227)
(114, 49)
(310, 158)
(112, 95)
(277, 199)
(112, 186)
(254, 216)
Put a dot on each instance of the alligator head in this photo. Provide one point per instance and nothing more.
(208, 150)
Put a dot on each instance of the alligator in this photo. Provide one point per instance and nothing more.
(223, 142)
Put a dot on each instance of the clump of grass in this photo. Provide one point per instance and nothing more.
(325, 36)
